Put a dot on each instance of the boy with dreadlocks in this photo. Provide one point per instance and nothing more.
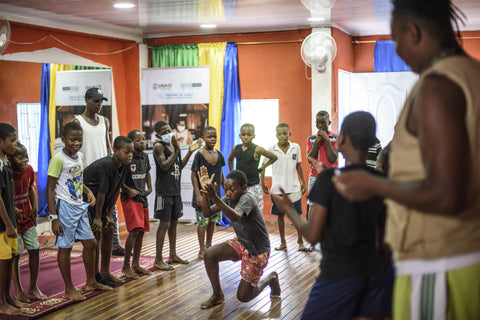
(433, 223)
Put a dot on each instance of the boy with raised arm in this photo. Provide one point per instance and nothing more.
(248, 156)
(69, 213)
(104, 178)
(213, 160)
(8, 223)
(25, 201)
(168, 200)
(285, 173)
(135, 204)
(351, 282)
(251, 245)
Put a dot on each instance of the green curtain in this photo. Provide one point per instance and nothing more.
(174, 55)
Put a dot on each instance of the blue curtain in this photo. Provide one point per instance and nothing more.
(231, 108)
(386, 59)
(44, 145)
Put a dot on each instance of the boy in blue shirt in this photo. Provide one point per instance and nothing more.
(350, 283)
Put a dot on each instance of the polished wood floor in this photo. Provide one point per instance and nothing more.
(177, 294)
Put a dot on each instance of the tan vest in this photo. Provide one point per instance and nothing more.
(422, 235)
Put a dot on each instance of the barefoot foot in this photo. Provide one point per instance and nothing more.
(201, 254)
(301, 247)
(111, 277)
(141, 270)
(20, 297)
(275, 290)
(97, 286)
(128, 272)
(37, 293)
(212, 301)
(9, 309)
(282, 247)
(177, 259)
(15, 303)
(75, 295)
(162, 266)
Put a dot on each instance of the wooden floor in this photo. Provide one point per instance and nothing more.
(177, 294)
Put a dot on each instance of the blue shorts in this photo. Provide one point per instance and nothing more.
(75, 223)
(29, 239)
(346, 298)
(297, 205)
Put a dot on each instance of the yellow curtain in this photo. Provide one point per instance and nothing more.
(213, 54)
(52, 109)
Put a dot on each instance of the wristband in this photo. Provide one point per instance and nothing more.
(52, 217)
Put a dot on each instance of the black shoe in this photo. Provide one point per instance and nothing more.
(118, 251)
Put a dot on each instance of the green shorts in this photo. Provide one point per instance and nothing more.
(462, 295)
(203, 222)
(29, 239)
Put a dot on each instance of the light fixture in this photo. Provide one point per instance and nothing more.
(124, 5)
(208, 26)
(315, 19)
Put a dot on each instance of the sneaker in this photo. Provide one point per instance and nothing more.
(118, 251)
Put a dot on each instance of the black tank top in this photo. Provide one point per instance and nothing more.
(247, 163)
(168, 183)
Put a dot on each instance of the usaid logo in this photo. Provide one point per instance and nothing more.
(156, 86)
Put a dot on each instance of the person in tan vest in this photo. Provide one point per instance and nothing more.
(433, 223)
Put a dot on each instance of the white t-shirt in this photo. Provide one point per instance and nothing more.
(69, 173)
(94, 144)
(284, 170)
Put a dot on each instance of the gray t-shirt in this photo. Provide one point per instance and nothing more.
(250, 229)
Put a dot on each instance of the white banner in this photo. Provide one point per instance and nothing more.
(72, 85)
(182, 85)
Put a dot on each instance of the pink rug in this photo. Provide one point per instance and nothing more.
(50, 281)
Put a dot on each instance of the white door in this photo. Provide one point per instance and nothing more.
(383, 94)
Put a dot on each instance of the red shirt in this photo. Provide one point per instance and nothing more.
(322, 152)
(23, 181)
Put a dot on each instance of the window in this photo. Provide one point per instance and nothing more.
(28, 130)
(263, 114)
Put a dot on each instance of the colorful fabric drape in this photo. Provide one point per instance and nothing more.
(174, 55)
(44, 145)
(231, 107)
(386, 59)
(213, 54)
(54, 68)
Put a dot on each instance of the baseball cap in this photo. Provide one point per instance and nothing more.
(95, 93)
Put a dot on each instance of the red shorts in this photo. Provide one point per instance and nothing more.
(252, 266)
(136, 216)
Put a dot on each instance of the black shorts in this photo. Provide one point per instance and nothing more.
(297, 205)
(168, 208)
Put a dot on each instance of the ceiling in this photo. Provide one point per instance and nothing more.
(166, 18)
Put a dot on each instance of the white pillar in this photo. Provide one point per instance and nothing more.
(321, 87)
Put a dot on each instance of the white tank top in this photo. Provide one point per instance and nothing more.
(94, 144)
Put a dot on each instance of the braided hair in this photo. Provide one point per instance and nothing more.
(440, 16)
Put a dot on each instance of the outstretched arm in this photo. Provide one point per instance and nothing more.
(191, 148)
(312, 229)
